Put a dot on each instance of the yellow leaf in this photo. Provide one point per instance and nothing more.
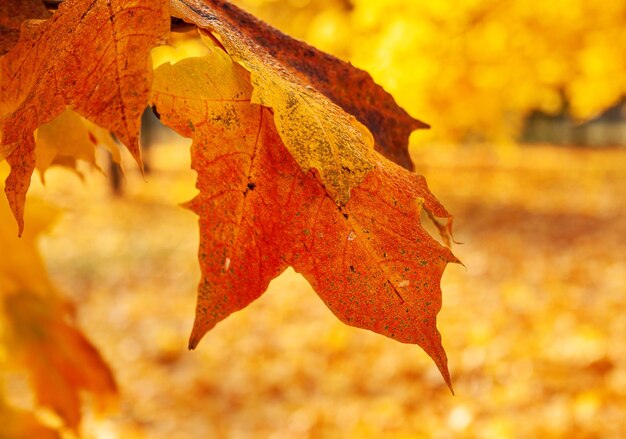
(37, 325)
(68, 138)
(60, 360)
(21, 266)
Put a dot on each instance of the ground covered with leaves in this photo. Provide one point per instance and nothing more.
(534, 326)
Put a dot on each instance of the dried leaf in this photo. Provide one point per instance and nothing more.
(370, 260)
(92, 55)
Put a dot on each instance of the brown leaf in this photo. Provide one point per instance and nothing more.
(351, 88)
(370, 260)
(92, 55)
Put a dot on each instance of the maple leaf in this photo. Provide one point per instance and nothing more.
(369, 260)
(263, 49)
(92, 55)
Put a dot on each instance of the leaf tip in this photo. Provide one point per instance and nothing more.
(438, 354)
(135, 151)
(419, 125)
(189, 205)
(448, 380)
(443, 369)
(195, 337)
(193, 343)
(17, 208)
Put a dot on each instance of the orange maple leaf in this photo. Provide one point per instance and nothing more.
(370, 260)
(91, 55)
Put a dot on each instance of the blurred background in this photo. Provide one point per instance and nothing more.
(527, 149)
(496, 70)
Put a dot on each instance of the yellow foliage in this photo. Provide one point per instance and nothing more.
(36, 328)
(473, 69)
(21, 266)
(68, 138)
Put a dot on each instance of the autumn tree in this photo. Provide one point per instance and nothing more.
(501, 59)
(301, 159)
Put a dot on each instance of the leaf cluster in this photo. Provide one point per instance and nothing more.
(301, 158)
